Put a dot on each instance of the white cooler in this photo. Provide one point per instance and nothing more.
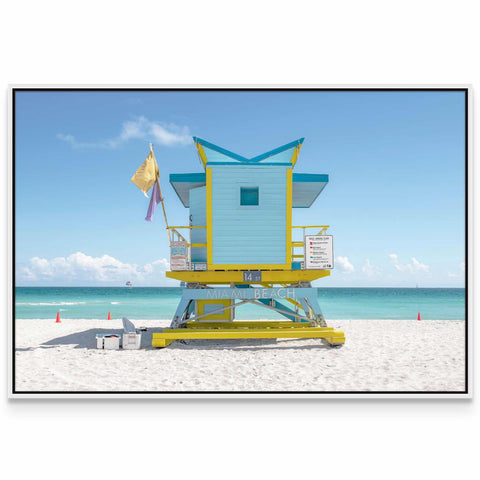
(131, 341)
(108, 341)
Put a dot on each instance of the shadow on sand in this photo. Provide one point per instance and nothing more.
(87, 339)
(245, 345)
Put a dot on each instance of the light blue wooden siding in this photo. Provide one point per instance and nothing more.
(198, 217)
(249, 234)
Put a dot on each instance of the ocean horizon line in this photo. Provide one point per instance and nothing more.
(162, 302)
(217, 286)
(331, 319)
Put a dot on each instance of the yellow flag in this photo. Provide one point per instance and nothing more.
(146, 175)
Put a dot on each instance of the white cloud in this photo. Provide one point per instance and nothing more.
(462, 266)
(414, 267)
(148, 268)
(167, 134)
(419, 266)
(370, 270)
(394, 257)
(162, 262)
(170, 134)
(345, 265)
(79, 267)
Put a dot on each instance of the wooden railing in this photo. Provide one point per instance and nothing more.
(301, 244)
(181, 238)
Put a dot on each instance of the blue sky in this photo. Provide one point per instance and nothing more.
(395, 200)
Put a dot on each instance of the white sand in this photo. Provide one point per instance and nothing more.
(379, 355)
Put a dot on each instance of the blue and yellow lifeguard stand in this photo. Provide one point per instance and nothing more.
(238, 248)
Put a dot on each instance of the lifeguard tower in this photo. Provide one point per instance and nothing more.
(239, 249)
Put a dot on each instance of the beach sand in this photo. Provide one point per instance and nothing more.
(379, 355)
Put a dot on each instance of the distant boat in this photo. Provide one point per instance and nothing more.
(129, 284)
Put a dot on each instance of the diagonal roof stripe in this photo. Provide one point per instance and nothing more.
(240, 158)
(220, 149)
(287, 146)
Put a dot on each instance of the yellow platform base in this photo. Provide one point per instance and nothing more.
(160, 342)
(217, 277)
(168, 335)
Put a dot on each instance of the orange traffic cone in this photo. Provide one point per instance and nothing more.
(419, 317)
(58, 318)
(109, 316)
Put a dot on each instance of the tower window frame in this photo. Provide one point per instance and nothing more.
(249, 196)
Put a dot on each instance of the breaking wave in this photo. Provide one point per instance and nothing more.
(50, 303)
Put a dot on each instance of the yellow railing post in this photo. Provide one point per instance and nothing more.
(302, 244)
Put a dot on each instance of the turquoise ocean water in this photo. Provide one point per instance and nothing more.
(161, 302)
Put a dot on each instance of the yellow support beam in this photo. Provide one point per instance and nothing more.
(247, 324)
(201, 152)
(197, 332)
(236, 276)
(294, 302)
(289, 218)
(208, 177)
(295, 154)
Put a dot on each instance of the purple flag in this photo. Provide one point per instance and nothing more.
(154, 201)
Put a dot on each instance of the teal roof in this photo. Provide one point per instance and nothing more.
(182, 183)
(216, 154)
(306, 187)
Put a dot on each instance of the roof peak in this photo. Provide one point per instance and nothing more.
(199, 142)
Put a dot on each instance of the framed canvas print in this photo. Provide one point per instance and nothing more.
(240, 241)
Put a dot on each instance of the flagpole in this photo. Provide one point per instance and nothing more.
(161, 197)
